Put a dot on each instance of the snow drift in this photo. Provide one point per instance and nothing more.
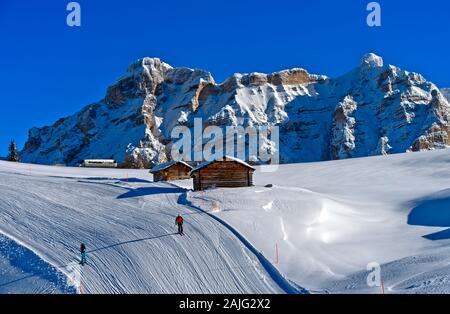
(329, 220)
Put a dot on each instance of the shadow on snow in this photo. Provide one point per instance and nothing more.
(132, 241)
(433, 211)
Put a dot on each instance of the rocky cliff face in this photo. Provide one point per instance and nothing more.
(373, 109)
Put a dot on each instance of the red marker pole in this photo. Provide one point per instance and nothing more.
(382, 287)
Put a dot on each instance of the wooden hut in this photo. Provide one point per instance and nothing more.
(170, 171)
(229, 172)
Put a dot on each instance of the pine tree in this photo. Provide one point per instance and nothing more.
(13, 152)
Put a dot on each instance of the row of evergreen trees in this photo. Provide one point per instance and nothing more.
(13, 154)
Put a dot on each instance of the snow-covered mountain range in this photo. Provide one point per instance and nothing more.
(373, 109)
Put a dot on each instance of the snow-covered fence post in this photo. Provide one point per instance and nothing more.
(215, 206)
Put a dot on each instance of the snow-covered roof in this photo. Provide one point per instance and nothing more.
(229, 158)
(99, 160)
(167, 165)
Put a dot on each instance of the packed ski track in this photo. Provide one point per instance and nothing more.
(128, 226)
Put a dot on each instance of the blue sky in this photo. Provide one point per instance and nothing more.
(49, 70)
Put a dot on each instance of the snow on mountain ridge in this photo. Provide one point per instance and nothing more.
(372, 60)
(139, 111)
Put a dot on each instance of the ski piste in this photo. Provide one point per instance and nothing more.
(142, 224)
(304, 144)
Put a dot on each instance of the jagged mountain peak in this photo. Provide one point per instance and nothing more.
(147, 63)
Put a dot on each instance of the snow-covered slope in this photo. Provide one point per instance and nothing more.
(374, 109)
(127, 224)
(327, 221)
(331, 219)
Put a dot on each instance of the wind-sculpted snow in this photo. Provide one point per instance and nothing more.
(433, 211)
(128, 227)
(22, 271)
(375, 109)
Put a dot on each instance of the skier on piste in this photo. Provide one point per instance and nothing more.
(83, 254)
(179, 222)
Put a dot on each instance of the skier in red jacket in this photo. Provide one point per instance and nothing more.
(179, 223)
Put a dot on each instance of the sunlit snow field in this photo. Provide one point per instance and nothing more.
(327, 221)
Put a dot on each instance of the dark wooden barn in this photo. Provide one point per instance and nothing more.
(170, 171)
(227, 173)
